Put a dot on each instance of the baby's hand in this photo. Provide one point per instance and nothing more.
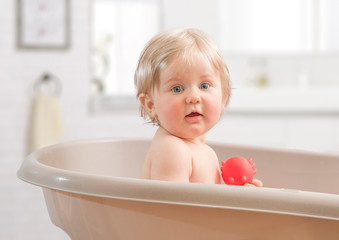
(255, 183)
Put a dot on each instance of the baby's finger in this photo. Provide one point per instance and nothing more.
(257, 183)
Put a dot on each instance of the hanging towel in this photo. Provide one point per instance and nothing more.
(46, 124)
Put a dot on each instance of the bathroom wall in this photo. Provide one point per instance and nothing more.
(23, 213)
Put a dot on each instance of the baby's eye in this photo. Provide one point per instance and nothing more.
(177, 89)
(204, 86)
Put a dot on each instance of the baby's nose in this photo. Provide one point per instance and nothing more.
(193, 97)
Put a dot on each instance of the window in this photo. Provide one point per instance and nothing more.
(327, 25)
(266, 26)
(120, 31)
(122, 28)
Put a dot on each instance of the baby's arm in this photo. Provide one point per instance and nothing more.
(171, 160)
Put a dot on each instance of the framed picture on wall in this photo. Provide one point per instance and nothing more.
(43, 24)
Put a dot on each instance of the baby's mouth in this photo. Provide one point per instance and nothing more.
(193, 114)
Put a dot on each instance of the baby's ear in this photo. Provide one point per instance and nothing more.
(147, 102)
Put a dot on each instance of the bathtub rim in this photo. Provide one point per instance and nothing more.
(268, 200)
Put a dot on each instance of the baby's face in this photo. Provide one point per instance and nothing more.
(189, 99)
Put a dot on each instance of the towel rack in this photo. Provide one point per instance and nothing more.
(48, 84)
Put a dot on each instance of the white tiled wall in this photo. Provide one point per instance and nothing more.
(23, 213)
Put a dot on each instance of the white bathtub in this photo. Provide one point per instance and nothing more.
(92, 191)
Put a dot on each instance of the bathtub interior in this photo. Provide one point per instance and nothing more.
(277, 168)
(118, 158)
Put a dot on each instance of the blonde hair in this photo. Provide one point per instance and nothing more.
(176, 43)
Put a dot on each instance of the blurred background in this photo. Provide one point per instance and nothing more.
(66, 70)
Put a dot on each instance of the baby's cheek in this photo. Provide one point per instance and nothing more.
(173, 110)
(215, 109)
(170, 111)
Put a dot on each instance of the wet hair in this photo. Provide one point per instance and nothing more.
(164, 47)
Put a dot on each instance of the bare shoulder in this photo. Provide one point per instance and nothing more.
(170, 150)
(170, 159)
(168, 143)
(171, 144)
(211, 150)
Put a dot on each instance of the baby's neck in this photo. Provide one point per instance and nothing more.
(197, 140)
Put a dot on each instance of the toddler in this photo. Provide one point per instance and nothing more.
(183, 86)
